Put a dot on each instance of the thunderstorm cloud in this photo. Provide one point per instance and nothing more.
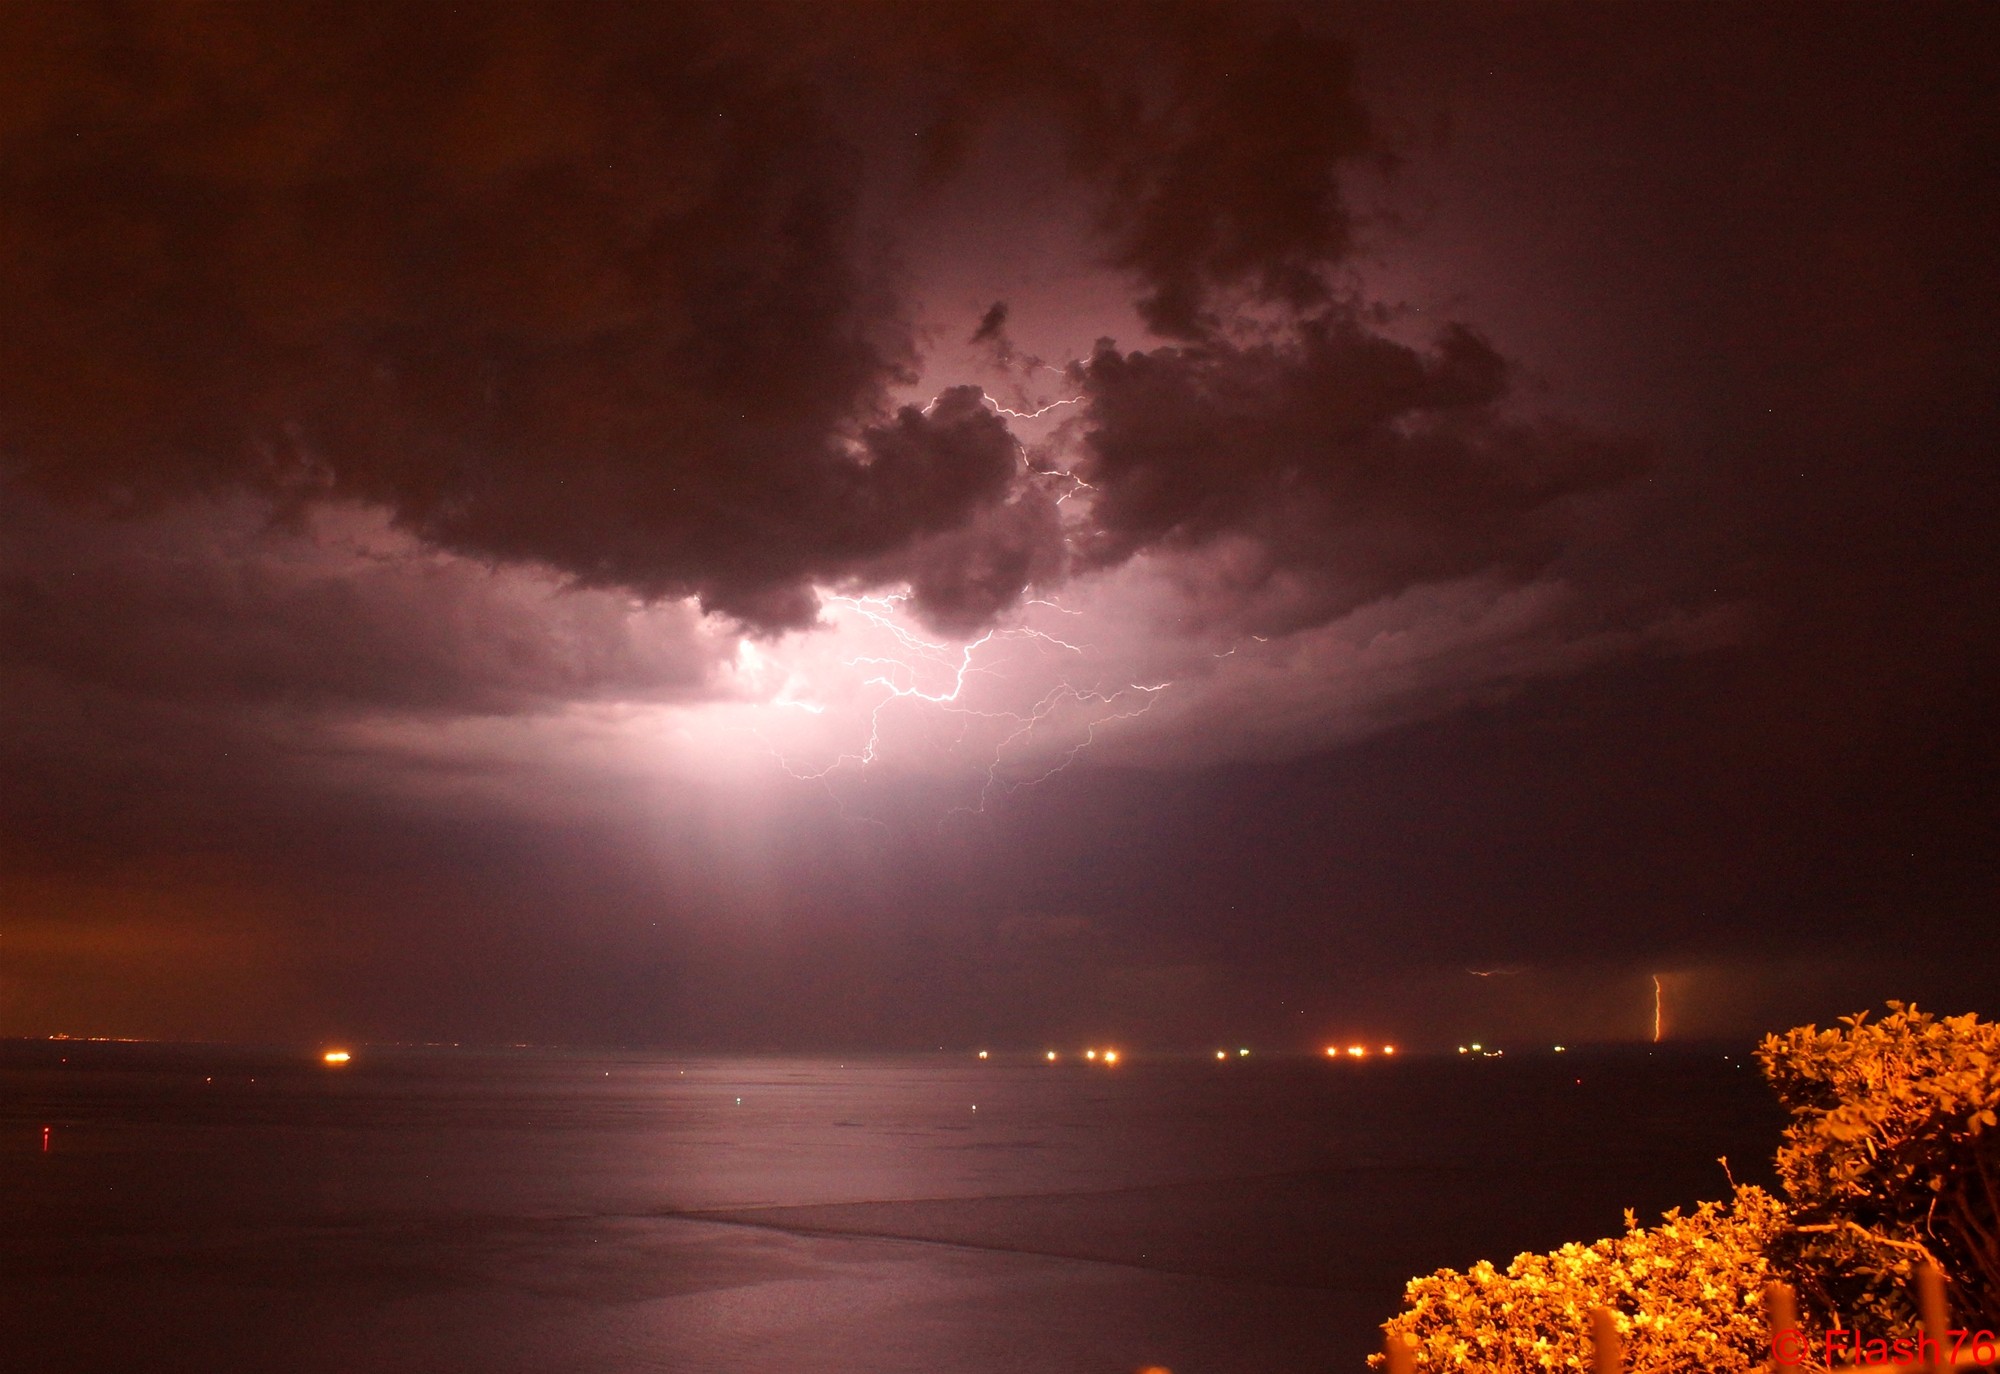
(734, 521)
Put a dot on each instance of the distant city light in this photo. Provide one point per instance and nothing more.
(982, 1054)
(1224, 1054)
(1356, 1050)
(336, 1056)
(1111, 1056)
(1333, 1051)
(1242, 1052)
(1561, 1048)
(1090, 1054)
(1051, 1056)
(1388, 1049)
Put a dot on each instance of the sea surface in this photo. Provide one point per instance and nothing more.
(447, 1209)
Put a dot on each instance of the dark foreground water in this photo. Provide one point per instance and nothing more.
(457, 1210)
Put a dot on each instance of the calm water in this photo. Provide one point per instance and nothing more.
(453, 1210)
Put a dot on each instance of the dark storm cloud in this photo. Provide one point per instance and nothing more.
(591, 301)
(1211, 137)
(964, 579)
(1235, 187)
(1213, 149)
(993, 328)
(587, 287)
(219, 606)
(1365, 463)
(577, 285)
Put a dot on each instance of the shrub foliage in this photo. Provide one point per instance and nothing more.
(1892, 1157)
(1688, 1294)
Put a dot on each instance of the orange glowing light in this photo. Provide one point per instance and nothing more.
(1111, 1056)
(1224, 1054)
(1052, 1056)
(1332, 1051)
(336, 1056)
(1357, 1050)
(1388, 1049)
(1090, 1054)
(982, 1054)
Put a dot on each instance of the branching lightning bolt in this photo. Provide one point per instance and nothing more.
(914, 671)
(999, 409)
(1010, 413)
(899, 677)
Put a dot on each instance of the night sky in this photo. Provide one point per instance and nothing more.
(900, 526)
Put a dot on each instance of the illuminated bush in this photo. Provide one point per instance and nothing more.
(1688, 1292)
(1891, 1156)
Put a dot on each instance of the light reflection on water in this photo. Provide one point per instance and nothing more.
(457, 1210)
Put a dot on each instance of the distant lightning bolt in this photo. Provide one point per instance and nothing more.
(917, 671)
(1012, 414)
(999, 409)
(904, 670)
(1077, 484)
(1658, 999)
(1070, 755)
(878, 611)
